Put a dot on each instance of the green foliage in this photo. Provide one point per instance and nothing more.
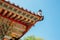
(32, 38)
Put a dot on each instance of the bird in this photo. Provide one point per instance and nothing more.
(40, 12)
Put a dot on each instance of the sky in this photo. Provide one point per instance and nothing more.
(49, 28)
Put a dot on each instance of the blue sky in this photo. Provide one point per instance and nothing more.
(49, 28)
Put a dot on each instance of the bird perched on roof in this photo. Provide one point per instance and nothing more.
(40, 12)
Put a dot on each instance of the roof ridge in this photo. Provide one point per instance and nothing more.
(33, 13)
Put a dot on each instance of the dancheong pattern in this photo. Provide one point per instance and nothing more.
(14, 29)
(15, 21)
